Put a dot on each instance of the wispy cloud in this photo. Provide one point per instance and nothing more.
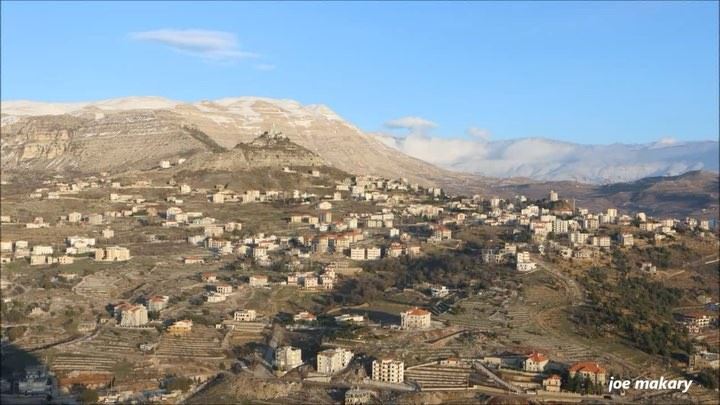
(413, 124)
(479, 133)
(209, 45)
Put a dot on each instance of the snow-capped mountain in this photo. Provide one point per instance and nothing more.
(549, 160)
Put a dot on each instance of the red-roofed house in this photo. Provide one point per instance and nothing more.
(589, 369)
(415, 318)
(535, 362)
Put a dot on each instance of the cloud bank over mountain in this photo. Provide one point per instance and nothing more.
(545, 159)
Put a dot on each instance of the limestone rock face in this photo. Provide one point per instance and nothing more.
(135, 133)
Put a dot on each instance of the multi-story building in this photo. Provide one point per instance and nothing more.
(535, 362)
(245, 315)
(601, 241)
(387, 370)
(331, 361)
(42, 250)
(357, 253)
(560, 226)
(523, 262)
(626, 239)
(225, 289)
(373, 253)
(288, 357)
(112, 254)
(134, 316)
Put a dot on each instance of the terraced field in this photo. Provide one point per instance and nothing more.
(245, 332)
(97, 286)
(477, 314)
(67, 362)
(201, 343)
(439, 376)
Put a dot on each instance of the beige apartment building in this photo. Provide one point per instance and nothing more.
(288, 357)
(112, 254)
(387, 370)
(245, 315)
(134, 316)
(333, 360)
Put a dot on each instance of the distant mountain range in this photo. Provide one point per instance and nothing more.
(693, 193)
(549, 160)
(137, 132)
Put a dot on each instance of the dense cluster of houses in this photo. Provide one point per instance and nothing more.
(405, 220)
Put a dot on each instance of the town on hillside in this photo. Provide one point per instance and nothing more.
(323, 287)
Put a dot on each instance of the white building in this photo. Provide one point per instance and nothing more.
(391, 371)
(553, 195)
(523, 262)
(333, 360)
(357, 253)
(245, 315)
(373, 253)
(258, 280)
(112, 254)
(415, 318)
(42, 250)
(288, 357)
(627, 239)
(134, 316)
(535, 362)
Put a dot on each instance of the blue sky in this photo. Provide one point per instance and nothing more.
(588, 72)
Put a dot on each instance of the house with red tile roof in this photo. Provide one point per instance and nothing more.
(415, 318)
(535, 362)
(589, 369)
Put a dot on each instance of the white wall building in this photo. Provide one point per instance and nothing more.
(391, 371)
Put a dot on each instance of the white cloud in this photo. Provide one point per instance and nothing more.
(479, 133)
(413, 124)
(210, 45)
(546, 159)
(441, 151)
(668, 140)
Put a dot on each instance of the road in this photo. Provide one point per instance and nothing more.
(78, 339)
(495, 378)
(576, 294)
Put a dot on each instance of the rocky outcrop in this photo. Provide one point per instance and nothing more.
(264, 151)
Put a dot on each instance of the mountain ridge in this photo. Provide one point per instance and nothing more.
(224, 123)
